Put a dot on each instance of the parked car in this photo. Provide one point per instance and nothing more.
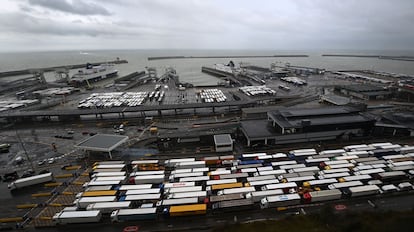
(41, 162)
(28, 173)
(51, 160)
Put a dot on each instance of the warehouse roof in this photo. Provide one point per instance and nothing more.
(102, 142)
(362, 88)
(314, 112)
(258, 128)
(223, 139)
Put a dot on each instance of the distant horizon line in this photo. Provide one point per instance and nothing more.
(210, 49)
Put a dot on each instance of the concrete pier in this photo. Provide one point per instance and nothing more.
(51, 69)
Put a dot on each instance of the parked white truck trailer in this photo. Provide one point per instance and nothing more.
(69, 217)
(324, 195)
(32, 180)
(108, 207)
(364, 190)
(280, 200)
(259, 195)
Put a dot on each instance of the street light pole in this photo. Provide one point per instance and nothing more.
(25, 151)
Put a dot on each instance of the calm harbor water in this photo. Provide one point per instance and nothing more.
(190, 69)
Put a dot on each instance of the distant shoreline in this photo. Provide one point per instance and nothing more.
(403, 58)
(215, 57)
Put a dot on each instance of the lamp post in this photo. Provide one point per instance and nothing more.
(24, 149)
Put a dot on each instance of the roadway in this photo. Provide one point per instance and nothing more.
(210, 221)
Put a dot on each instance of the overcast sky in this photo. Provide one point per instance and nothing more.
(206, 24)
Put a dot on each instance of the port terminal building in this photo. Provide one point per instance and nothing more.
(364, 91)
(286, 125)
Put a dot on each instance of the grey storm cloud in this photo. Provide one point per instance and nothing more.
(230, 24)
(75, 6)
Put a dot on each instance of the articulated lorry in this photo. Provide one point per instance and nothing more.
(32, 180)
(69, 217)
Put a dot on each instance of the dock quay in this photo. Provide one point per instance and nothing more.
(53, 68)
(220, 74)
(219, 57)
